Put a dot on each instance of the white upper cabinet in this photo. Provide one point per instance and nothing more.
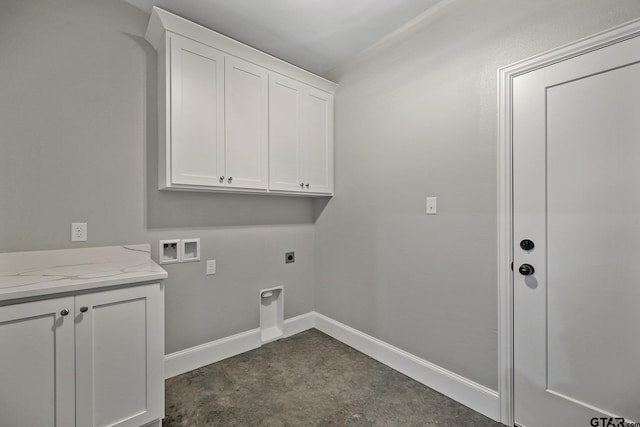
(317, 141)
(232, 118)
(197, 113)
(285, 122)
(300, 137)
(246, 131)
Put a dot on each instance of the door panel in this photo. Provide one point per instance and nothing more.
(246, 127)
(197, 113)
(285, 97)
(576, 180)
(593, 222)
(318, 137)
(119, 368)
(37, 369)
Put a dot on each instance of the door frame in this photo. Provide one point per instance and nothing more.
(505, 192)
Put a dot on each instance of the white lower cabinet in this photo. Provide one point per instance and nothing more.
(93, 359)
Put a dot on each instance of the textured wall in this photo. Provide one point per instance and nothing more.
(416, 116)
(78, 143)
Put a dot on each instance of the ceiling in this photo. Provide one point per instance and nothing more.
(316, 35)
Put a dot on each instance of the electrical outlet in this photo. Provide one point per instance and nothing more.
(78, 231)
(289, 257)
(211, 267)
(432, 205)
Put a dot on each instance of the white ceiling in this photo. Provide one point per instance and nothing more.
(316, 35)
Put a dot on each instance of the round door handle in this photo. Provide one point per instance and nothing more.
(526, 269)
(301, 184)
(306, 185)
(230, 179)
(64, 312)
(222, 179)
(527, 245)
(84, 309)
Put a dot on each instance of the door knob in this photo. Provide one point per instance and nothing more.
(221, 178)
(64, 312)
(526, 269)
(84, 309)
(527, 245)
(230, 179)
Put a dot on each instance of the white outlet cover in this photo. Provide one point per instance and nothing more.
(432, 205)
(170, 251)
(190, 250)
(211, 267)
(78, 231)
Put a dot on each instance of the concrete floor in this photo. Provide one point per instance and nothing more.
(309, 379)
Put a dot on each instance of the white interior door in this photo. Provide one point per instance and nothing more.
(576, 145)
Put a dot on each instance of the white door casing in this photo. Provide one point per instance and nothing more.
(574, 139)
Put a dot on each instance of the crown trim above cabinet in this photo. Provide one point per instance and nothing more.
(234, 119)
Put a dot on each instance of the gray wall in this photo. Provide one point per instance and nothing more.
(416, 116)
(78, 143)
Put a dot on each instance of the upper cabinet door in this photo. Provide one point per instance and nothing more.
(300, 137)
(317, 135)
(246, 124)
(197, 113)
(285, 120)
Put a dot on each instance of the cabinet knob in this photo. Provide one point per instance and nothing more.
(84, 309)
(222, 179)
(302, 185)
(230, 179)
(64, 312)
(306, 185)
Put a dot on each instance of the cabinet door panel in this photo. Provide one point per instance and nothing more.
(37, 364)
(197, 113)
(317, 134)
(119, 357)
(246, 124)
(285, 97)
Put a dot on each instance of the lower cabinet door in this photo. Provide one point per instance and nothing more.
(37, 364)
(119, 356)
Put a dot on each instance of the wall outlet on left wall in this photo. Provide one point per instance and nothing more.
(78, 231)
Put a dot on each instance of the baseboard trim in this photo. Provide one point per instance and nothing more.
(196, 357)
(298, 324)
(202, 355)
(477, 397)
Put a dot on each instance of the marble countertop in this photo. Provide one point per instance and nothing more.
(37, 273)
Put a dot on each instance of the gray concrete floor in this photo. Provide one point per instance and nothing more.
(309, 379)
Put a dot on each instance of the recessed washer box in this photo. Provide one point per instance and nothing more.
(170, 251)
(190, 250)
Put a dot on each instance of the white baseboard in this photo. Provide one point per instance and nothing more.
(196, 357)
(463, 390)
(298, 324)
